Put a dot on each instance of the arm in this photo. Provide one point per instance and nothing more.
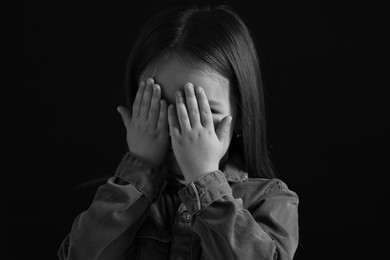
(228, 231)
(106, 230)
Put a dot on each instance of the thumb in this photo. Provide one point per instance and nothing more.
(125, 114)
(223, 128)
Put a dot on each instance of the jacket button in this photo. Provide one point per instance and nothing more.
(185, 216)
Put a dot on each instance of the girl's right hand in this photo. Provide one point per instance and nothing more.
(147, 128)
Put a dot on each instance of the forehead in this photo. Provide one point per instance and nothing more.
(171, 73)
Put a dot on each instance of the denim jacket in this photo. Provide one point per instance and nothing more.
(143, 213)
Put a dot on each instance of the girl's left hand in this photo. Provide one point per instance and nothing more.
(197, 146)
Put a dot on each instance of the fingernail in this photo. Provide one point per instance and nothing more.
(198, 90)
(179, 94)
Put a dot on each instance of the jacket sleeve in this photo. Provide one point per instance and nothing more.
(106, 230)
(268, 229)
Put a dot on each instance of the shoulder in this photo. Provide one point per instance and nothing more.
(262, 185)
(255, 190)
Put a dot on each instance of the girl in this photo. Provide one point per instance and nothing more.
(197, 182)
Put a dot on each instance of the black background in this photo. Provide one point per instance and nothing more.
(325, 67)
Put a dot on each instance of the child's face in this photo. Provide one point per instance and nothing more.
(172, 75)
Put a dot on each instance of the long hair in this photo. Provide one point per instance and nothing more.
(218, 38)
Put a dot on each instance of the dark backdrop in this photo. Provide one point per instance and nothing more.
(325, 67)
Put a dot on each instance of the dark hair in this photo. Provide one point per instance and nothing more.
(218, 38)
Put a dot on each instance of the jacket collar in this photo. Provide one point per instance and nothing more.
(233, 169)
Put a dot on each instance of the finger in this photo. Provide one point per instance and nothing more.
(192, 105)
(145, 105)
(138, 99)
(174, 127)
(155, 104)
(125, 114)
(223, 128)
(182, 114)
(163, 115)
(204, 108)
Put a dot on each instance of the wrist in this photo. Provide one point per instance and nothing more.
(193, 176)
(147, 161)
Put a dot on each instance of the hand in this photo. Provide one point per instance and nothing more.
(197, 146)
(147, 127)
